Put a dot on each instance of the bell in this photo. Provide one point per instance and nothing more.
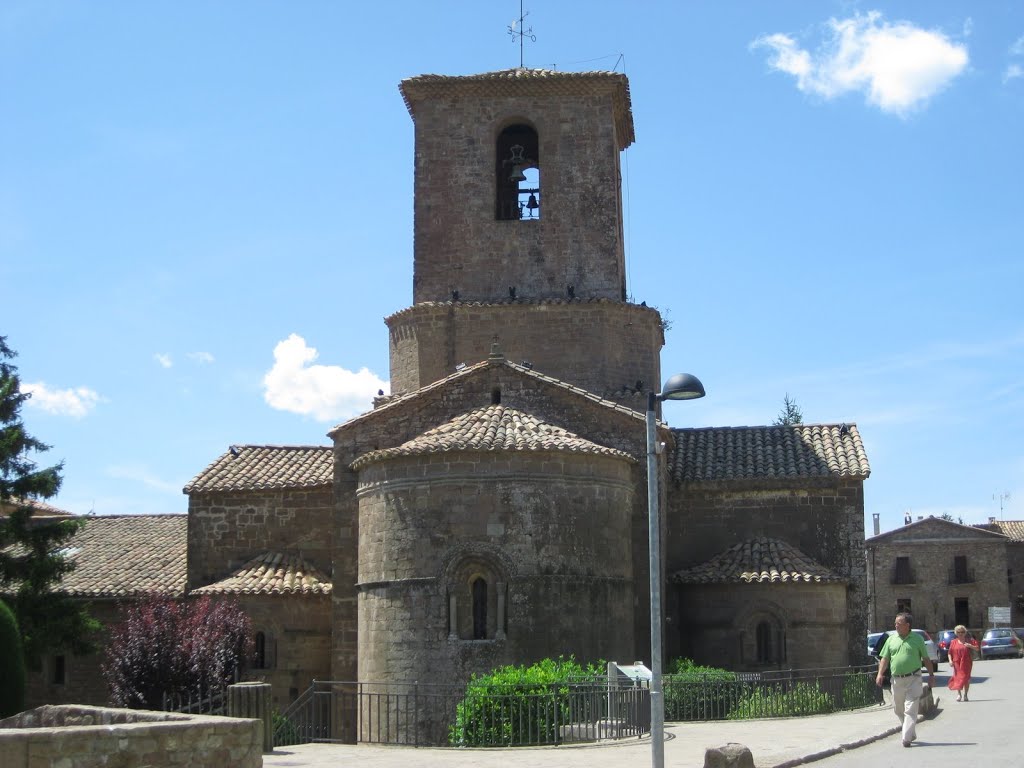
(532, 203)
(517, 174)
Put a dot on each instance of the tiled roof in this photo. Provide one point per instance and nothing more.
(492, 428)
(796, 451)
(260, 467)
(272, 573)
(757, 561)
(121, 555)
(495, 359)
(39, 508)
(1013, 529)
(511, 82)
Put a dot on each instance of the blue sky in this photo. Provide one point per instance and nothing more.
(206, 213)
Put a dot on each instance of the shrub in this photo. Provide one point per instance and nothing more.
(516, 705)
(12, 664)
(859, 690)
(286, 732)
(175, 647)
(776, 701)
(694, 692)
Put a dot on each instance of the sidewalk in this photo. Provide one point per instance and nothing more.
(777, 743)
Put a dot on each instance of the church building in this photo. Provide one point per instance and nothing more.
(492, 509)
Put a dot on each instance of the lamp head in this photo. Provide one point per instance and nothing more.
(682, 386)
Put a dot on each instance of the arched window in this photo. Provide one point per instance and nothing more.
(765, 650)
(479, 609)
(259, 654)
(517, 167)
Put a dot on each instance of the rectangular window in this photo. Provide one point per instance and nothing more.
(960, 569)
(902, 574)
(903, 605)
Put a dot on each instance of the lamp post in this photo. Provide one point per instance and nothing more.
(681, 386)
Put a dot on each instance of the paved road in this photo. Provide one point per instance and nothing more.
(986, 731)
(773, 743)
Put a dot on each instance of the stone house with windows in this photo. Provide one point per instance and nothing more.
(943, 572)
(492, 509)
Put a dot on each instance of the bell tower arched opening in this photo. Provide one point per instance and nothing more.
(517, 181)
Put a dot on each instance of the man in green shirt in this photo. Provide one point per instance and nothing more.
(904, 653)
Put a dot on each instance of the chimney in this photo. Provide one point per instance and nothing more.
(874, 519)
(991, 521)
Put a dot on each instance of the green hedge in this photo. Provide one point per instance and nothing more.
(694, 692)
(518, 705)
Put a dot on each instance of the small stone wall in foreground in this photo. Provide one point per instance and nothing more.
(69, 736)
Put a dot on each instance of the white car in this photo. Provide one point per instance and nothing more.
(933, 649)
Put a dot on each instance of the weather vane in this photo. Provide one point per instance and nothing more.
(516, 31)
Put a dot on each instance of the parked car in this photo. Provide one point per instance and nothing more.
(933, 650)
(1001, 641)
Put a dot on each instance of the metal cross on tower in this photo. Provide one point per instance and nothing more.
(516, 31)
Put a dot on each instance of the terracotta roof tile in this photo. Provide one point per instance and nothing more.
(272, 573)
(797, 451)
(1013, 529)
(39, 508)
(757, 561)
(255, 467)
(121, 555)
(492, 428)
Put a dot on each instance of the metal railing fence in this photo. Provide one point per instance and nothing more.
(775, 693)
(451, 715)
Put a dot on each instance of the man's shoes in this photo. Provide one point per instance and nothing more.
(906, 743)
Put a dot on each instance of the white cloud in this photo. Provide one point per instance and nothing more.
(76, 402)
(1017, 49)
(143, 475)
(897, 65)
(325, 392)
(1013, 72)
(164, 360)
(203, 358)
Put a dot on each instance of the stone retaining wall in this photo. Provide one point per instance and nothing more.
(88, 737)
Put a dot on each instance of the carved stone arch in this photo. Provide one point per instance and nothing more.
(475, 579)
(762, 629)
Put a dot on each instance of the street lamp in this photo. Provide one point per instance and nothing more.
(681, 386)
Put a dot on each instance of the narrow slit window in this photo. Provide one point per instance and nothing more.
(479, 609)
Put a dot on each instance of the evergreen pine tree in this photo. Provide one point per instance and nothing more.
(790, 413)
(32, 561)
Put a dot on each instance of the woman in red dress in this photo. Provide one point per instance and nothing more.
(961, 661)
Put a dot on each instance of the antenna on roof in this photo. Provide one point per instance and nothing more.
(516, 32)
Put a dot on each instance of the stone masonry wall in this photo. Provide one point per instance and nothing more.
(83, 681)
(824, 519)
(933, 587)
(718, 624)
(298, 642)
(605, 346)
(227, 529)
(459, 244)
(550, 402)
(93, 737)
(550, 531)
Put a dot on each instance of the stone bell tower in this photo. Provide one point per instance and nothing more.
(518, 231)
